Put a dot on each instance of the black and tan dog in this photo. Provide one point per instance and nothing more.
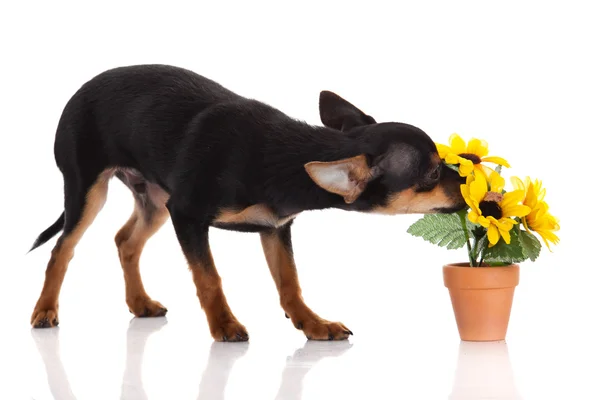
(194, 151)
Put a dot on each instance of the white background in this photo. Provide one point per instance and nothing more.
(522, 75)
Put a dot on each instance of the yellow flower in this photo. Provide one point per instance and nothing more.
(539, 219)
(469, 156)
(491, 208)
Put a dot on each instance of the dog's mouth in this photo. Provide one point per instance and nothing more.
(449, 210)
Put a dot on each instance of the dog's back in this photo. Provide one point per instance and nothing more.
(129, 114)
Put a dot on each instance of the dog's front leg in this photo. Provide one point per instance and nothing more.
(277, 245)
(193, 238)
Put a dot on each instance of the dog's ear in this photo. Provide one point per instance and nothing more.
(347, 177)
(339, 114)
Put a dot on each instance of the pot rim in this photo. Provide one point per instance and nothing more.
(468, 265)
(462, 276)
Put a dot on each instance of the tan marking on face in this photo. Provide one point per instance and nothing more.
(258, 214)
(411, 202)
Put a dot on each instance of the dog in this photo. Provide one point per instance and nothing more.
(194, 151)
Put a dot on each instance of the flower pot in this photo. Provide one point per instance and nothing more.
(481, 299)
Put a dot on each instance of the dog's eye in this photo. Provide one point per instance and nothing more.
(436, 173)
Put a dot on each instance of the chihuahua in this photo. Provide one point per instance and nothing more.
(192, 150)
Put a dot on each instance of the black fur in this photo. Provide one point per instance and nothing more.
(49, 233)
(211, 149)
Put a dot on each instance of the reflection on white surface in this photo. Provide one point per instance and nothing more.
(47, 343)
(299, 364)
(221, 359)
(140, 329)
(213, 381)
(484, 371)
(138, 333)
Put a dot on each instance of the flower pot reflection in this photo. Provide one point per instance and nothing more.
(483, 371)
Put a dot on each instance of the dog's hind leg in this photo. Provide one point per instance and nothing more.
(83, 201)
(147, 218)
(277, 246)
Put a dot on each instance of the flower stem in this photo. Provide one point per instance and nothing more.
(474, 253)
(483, 252)
(482, 257)
(463, 220)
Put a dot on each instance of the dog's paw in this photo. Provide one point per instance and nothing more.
(229, 331)
(44, 317)
(313, 326)
(320, 329)
(146, 307)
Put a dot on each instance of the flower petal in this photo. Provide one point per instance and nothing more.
(464, 190)
(517, 183)
(483, 221)
(548, 236)
(466, 167)
(485, 169)
(506, 224)
(496, 160)
(457, 144)
(505, 235)
(451, 158)
(515, 211)
(478, 187)
(477, 147)
(473, 216)
(442, 150)
(496, 182)
(493, 235)
(512, 198)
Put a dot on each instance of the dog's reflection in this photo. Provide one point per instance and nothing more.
(302, 361)
(140, 329)
(484, 371)
(221, 359)
(47, 343)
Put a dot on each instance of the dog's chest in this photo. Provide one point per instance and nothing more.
(255, 218)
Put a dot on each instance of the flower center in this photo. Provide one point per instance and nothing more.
(472, 157)
(490, 206)
(493, 196)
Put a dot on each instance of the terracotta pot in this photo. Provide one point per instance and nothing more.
(482, 299)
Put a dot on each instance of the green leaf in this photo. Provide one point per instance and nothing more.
(444, 230)
(506, 253)
(498, 169)
(452, 166)
(530, 244)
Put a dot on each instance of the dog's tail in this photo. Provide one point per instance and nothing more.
(50, 232)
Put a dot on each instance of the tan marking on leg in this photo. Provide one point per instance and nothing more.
(45, 313)
(223, 325)
(283, 270)
(130, 242)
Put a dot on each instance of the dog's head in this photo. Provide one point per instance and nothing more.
(397, 169)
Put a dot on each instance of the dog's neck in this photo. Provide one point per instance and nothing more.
(289, 184)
